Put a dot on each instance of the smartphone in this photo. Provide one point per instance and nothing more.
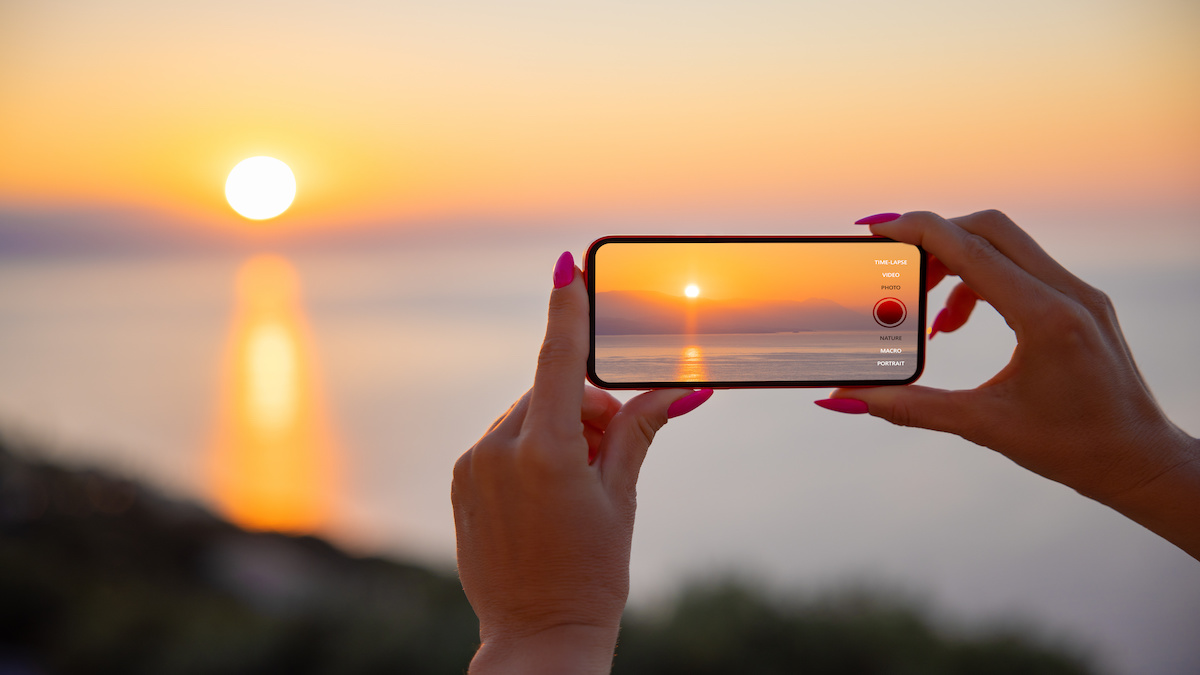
(736, 312)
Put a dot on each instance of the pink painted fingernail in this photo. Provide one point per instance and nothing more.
(939, 324)
(843, 405)
(877, 218)
(689, 403)
(564, 269)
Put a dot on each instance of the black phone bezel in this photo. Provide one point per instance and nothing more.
(589, 266)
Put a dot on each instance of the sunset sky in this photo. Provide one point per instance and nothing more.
(446, 153)
(844, 273)
(534, 111)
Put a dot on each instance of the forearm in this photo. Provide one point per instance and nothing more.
(1168, 504)
(562, 650)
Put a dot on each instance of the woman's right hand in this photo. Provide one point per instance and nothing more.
(1071, 404)
(544, 505)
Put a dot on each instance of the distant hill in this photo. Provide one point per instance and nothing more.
(649, 313)
(99, 230)
(100, 575)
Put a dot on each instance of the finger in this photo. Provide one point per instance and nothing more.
(630, 433)
(917, 406)
(557, 395)
(599, 407)
(1009, 288)
(512, 418)
(594, 438)
(959, 305)
(1018, 246)
(935, 271)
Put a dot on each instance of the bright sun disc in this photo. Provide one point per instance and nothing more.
(692, 291)
(260, 187)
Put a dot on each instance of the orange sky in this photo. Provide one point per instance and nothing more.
(403, 113)
(844, 273)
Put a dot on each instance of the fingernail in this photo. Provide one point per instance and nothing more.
(852, 406)
(939, 323)
(877, 218)
(689, 403)
(564, 269)
(592, 453)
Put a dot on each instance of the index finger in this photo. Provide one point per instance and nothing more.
(987, 270)
(1018, 246)
(557, 394)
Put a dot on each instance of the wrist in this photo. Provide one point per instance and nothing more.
(569, 649)
(1168, 501)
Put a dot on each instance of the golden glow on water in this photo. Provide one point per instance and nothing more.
(271, 378)
(692, 367)
(273, 464)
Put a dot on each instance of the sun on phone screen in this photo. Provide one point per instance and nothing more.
(749, 311)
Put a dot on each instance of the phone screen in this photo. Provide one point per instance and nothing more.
(755, 312)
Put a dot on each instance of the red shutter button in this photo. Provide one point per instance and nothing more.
(890, 312)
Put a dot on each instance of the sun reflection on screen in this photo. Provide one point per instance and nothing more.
(274, 456)
(692, 367)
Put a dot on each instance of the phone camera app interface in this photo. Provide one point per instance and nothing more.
(753, 311)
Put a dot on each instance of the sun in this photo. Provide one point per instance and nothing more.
(692, 291)
(260, 188)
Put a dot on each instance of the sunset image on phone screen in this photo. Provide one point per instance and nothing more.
(738, 312)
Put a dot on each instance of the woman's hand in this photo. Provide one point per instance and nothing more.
(544, 505)
(1071, 405)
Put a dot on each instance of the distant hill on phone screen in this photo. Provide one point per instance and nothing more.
(650, 313)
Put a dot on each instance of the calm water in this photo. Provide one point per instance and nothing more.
(767, 357)
(415, 350)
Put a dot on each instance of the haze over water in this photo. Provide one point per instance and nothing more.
(126, 357)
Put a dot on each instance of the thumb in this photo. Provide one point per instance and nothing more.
(633, 428)
(914, 406)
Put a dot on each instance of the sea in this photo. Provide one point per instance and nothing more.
(805, 356)
(411, 350)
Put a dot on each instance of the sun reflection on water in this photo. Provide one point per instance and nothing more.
(273, 464)
(271, 378)
(692, 367)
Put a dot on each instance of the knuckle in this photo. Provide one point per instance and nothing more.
(462, 468)
(539, 452)
(460, 482)
(977, 249)
(485, 459)
(512, 408)
(1096, 301)
(993, 218)
(988, 224)
(456, 493)
(900, 412)
(1069, 324)
(644, 429)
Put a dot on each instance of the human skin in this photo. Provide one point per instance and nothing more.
(1071, 405)
(544, 535)
(544, 506)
